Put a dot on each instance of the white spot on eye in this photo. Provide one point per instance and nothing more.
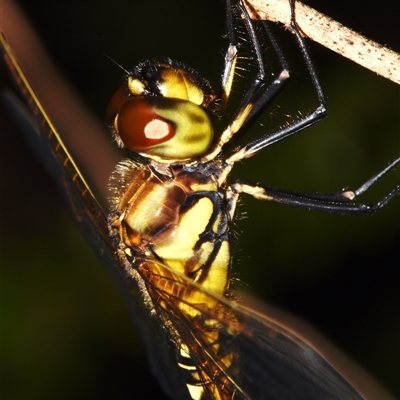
(156, 129)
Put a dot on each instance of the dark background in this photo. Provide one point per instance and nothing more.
(66, 329)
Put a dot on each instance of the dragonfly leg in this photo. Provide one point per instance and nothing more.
(259, 96)
(339, 202)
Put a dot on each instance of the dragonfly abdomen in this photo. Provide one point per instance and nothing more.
(173, 225)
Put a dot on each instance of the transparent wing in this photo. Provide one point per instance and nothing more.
(241, 354)
(48, 145)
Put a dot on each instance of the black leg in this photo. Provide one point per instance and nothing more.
(319, 113)
(260, 94)
(339, 203)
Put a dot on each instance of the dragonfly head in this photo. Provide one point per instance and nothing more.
(165, 111)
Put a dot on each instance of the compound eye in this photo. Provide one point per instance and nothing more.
(169, 128)
(139, 127)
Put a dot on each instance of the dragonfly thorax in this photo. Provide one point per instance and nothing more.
(178, 219)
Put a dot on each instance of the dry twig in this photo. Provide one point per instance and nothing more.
(331, 34)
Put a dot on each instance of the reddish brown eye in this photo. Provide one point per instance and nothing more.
(162, 128)
(139, 127)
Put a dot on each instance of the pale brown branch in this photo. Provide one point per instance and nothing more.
(332, 35)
